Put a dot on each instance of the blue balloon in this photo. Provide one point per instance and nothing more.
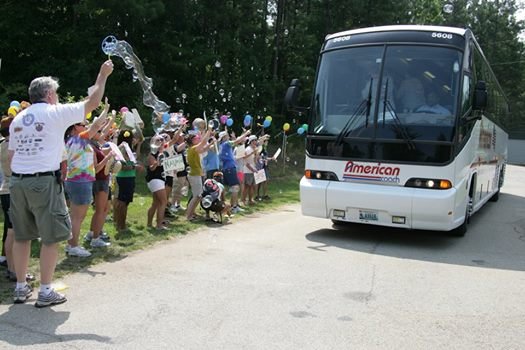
(247, 120)
(166, 117)
(229, 122)
(266, 123)
(14, 104)
(300, 131)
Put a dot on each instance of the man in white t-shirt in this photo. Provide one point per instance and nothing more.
(38, 208)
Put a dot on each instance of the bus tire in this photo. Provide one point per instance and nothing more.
(461, 230)
(495, 196)
(338, 222)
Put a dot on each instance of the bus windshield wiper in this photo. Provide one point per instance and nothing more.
(387, 107)
(365, 104)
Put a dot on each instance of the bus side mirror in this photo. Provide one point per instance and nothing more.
(480, 96)
(292, 96)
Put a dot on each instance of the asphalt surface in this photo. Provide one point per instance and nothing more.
(283, 281)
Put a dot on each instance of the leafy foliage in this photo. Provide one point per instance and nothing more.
(229, 55)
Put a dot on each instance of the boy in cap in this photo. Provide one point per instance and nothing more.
(228, 165)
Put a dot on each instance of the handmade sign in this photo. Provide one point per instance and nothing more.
(260, 176)
(174, 163)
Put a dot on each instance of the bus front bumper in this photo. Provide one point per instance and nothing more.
(384, 205)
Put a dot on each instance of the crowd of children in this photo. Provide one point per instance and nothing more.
(195, 160)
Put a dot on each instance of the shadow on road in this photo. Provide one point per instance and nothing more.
(27, 325)
(495, 239)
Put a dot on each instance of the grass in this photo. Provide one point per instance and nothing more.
(283, 189)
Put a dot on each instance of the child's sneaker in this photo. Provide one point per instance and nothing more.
(53, 298)
(99, 243)
(20, 296)
(103, 235)
(237, 209)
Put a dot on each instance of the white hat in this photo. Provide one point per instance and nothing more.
(252, 138)
(222, 134)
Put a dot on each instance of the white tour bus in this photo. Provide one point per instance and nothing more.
(404, 129)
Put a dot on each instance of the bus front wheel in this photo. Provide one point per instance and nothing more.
(339, 222)
(462, 229)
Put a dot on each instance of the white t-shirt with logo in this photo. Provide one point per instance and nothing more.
(37, 136)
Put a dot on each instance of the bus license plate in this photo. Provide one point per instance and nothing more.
(368, 215)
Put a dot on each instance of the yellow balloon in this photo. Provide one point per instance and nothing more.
(286, 127)
(12, 111)
(88, 116)
(269, 118)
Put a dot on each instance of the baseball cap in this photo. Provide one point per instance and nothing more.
(252, 138)
(222, 134)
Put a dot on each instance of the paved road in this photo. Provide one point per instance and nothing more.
(283, 281)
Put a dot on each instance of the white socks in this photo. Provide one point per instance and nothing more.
(45, 289)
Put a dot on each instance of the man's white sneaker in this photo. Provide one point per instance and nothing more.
(78, 251)
(99, 243)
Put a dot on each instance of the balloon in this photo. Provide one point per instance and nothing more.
(223, 119)
(14, 104)
(300, 131)
(165, 117)
(88, 116)
(286, 127)
(229, 122)
(266, 123)
(124, 110)
(247, 120)
(305, 127)
(268, 118)
(12, 111)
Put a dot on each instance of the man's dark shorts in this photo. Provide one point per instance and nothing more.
(230, 177)
(38, 209)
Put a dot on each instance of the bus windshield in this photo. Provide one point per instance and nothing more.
(398, 92)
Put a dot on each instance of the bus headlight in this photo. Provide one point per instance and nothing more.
(320, 175)
(434, 184)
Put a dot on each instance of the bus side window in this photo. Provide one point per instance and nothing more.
(466, 107)
(466, 95)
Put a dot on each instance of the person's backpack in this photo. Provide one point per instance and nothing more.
(211, 189)
(210, 199)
